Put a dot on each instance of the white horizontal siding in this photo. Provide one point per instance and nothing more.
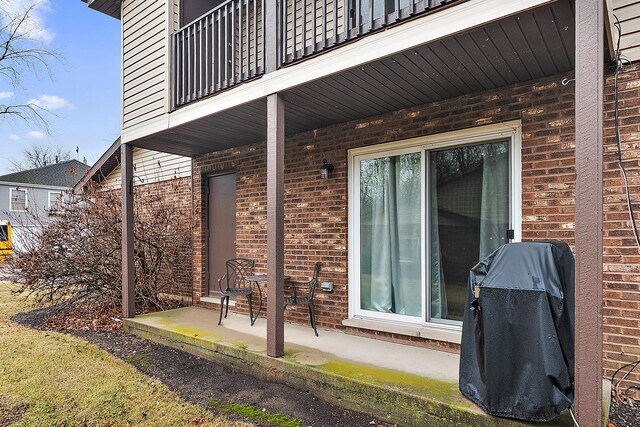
(176, 14)
(250, 46)
(147, 71)
(151, 166)
(339, 4)
(144, 25)
(628, 12)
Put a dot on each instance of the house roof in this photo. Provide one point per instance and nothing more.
(61, 174)
(103, 167)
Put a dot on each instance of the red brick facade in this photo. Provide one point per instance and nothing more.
(177, 195)
(316, 222)
(621, 257)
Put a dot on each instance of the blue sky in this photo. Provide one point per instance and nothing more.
(84, 90)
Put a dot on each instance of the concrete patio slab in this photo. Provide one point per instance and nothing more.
(408, 385)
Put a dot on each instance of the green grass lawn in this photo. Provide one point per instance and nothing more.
(62, 380)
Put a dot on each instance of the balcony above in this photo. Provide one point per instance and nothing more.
(222, 48)
(523, 46)
(226, 46)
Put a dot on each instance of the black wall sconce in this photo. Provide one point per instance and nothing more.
(325, 169)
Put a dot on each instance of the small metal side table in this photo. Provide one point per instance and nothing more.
(256, 279)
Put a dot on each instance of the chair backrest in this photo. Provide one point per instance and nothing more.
(237, 271)
(314, 280)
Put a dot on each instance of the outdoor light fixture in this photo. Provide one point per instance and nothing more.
(325, 169)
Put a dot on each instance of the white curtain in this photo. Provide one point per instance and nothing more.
(438, 292)
(393, 249)
(384, 240)
(494, 212)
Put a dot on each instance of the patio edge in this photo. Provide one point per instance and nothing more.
(383, 402)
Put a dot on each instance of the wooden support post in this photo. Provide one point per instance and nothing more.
(128, 266)
(589, 98)
(275, 225)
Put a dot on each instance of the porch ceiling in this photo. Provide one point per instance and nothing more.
(108, 7)
(230, 128)
(531, 45)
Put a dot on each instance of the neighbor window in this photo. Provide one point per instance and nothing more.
(422, 215)
(18, 200)
(55, 200)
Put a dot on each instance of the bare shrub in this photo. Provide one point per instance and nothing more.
(75, 253)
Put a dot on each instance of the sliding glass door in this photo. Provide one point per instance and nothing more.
(390, 227)
(468, 218)
(424, 217)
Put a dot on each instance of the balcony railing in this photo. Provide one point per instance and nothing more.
(218, 50)
(311, 26)
(225, 46)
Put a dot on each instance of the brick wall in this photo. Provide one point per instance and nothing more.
(316, 210)
(621, 257)
(176, 194)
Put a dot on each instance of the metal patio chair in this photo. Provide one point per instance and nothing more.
(234, 283)
(302, 294)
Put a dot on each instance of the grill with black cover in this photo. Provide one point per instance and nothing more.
(517, 353)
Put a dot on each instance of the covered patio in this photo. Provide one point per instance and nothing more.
(427, 390)
(405, 384)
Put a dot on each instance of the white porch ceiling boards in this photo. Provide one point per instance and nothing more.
(526, 46)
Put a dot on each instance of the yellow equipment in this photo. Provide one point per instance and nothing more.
(6, 247)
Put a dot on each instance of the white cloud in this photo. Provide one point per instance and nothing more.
(35, 134)
(14, 137)
(34, 27)
(5, 95)
(50, 102)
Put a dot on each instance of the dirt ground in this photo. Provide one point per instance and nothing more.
(624, 416)
(201, 381)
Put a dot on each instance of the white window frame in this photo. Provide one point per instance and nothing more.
(354, 232)
(26, 199)
(57, 193)
(421, 326)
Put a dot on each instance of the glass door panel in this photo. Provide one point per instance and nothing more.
(390, 230)
(468, 218)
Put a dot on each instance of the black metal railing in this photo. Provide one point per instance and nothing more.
(226, 46)
(222, 48)
(310, 26)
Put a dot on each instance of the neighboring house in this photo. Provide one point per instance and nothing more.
(395, 95)
(157, 174)
(28, 197)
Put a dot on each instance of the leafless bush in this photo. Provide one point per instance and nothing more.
(75, 253)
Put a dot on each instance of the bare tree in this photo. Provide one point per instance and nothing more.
(21, 53)
(74, 256)
(39, 155)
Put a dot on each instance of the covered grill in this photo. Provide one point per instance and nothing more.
(517, 355)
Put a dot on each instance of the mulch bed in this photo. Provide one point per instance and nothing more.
(196, 380)
(90, 316)
(622, 415)
(624, 410)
